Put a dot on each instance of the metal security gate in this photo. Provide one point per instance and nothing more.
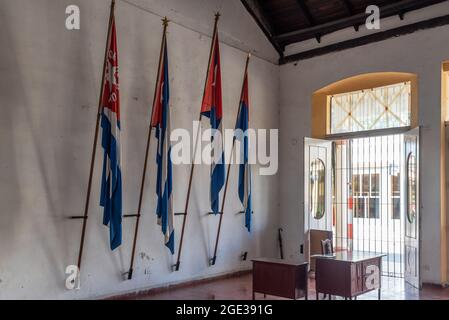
(368, 214)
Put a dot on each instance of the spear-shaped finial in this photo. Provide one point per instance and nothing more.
(165, 21)
(217, 15)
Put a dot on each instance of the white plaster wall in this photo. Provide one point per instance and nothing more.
(49, 87)
(421, 53)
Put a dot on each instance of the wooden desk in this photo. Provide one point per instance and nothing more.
(280, 278)
(345, 274)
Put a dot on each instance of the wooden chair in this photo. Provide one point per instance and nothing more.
(326, 247)
(315, 238)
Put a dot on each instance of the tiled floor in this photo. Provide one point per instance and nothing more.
(239, 288)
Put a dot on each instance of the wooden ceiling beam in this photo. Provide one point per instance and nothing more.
(309, 17)
(361, 41)
(355, 19)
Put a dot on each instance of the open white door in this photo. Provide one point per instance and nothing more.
(317, 188)
(412, 209)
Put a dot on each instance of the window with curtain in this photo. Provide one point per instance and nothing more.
(371, 109)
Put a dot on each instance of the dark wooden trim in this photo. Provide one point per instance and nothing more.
(186, 284)
(366, 134)
(356, 19)
(256, 12)
(376, 37)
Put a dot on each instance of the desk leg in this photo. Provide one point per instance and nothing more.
(380, 278)
(306, 281)
(317, 295)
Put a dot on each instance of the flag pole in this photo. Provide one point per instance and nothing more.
(165, 22)
(94, 148)
(178, 262)
(214, 258)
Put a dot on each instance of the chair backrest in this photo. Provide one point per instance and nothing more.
(327, 247)
(315, 237)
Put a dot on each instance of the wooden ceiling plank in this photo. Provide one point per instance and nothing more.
(349, 11)
(309, 17)
(305, 10)
(359, 19)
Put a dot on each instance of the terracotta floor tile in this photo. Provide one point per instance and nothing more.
(239, 288)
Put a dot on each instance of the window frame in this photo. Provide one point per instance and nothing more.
(369, 132)
(365, 198)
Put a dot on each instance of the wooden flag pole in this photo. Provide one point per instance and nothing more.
(178, 262)
(165, 22)
(94, 148)
(214, 258)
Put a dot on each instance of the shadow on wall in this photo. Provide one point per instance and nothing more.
(30, 211)
(12, 102)
(42, 165)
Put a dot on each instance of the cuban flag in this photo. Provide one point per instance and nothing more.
(212, 108)
(244, 168)
(161, 122)
(111, 182)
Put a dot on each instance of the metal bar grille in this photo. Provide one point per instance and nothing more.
(367, 211)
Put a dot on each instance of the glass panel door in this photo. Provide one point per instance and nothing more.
(412, 212)
(317, 188)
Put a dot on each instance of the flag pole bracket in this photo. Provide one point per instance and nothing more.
(78, 218)
(242, 212)
(180, 214)
(132, 216)
(214, 214)
(212, 261)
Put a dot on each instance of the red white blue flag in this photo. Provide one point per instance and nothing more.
(212, 108)
(161, 121)
(111, 182)
(244, 183)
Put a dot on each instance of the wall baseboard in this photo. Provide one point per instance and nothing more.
(185, 284)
